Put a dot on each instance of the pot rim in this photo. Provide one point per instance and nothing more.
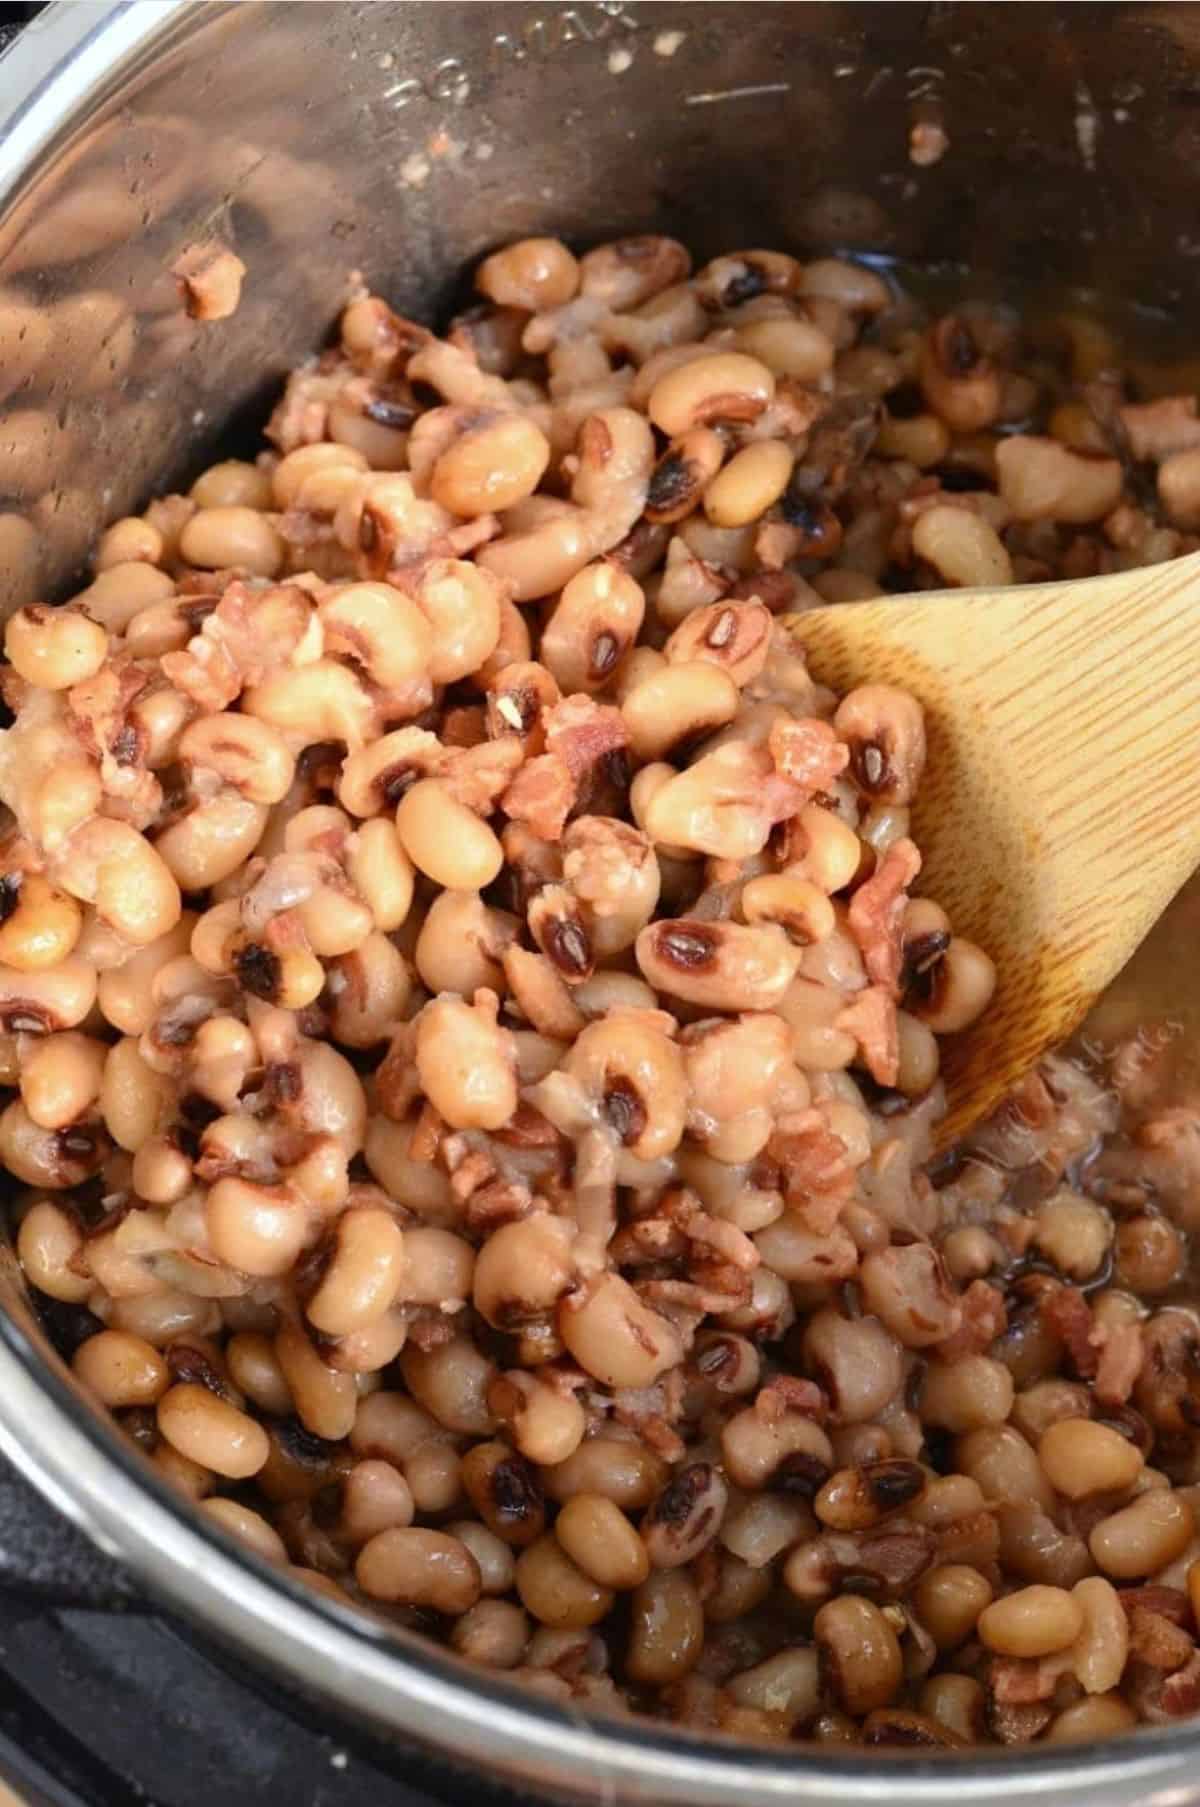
(63, 64)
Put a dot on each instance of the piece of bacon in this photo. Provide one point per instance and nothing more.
(876, 913)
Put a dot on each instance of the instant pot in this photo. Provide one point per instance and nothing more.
(142, 1654)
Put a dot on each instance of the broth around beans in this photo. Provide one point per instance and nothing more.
(472, 1023)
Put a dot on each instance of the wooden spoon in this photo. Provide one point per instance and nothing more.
(1060, 807)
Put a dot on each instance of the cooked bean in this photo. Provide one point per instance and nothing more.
(54, 648)
(1143, 1537)
(860, 1647)
(211, 1432)
(555, 1591)
(419, 1568)
(233, 537)
(600, 1540)
(1082, 1458)
(446, 841)
(121, 1370)
(1035, 1621)
(666, 1628)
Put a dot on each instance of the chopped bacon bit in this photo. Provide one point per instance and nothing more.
(581, 732)
(478, 775)
(427, 1134)
(1066, 1313)
(1181, 1691)
(876, 913)
(809, 753)
(1014, 1723)
(501, 1201)
(210, 280)
(1156, 1640)
(815, 1175)
(1166, 1602)
(984, 1319)
(472, 1173)
(870, 1017)
(1121, 1355)
(789, 1393)
(542, 795)
(1019, 1681)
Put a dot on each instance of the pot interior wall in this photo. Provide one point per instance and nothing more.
(403, 140)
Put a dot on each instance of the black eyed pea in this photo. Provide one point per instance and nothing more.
(246, 754)
(634, 1074)
(451, 1382)
(666, 1633)
(718, 965)
(1143, 1537)
(964, 1395)
(130, 884)
(445, 840)
(752, 481)
(257, 1229)
(60, 1078)
(678, 703)
(533, 273)
(466, 1063)
(490, 467)
(1043, 480)
(546, 1425)
(381, 872)
(380, 626)
(212, 840)
(1073, 1233)
(624, 1471)
(326, 1402)
(615, 1336)
(885, 730)
(54, 648)
(523, 1270)
(364, 1275)
(492, 1632)
(231, 484)
(249, 1527)
(736, 636)
(49, 1239)
(121, 1370)
(862, 1651)
(42, 926)
(686, 1516)
(1034, 1621)
(506, 1493)
(724, 386)
(211, 1432)
(555, 1591)
(1082, 1457)
(600, 1540)
(233, 537)
(408, 1566)
(963, 547)
(592, 626)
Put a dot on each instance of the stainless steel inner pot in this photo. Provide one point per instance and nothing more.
(403, 140)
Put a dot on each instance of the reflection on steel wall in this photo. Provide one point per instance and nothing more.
(403, 139)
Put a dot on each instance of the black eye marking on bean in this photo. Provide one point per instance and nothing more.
(624, 1110)
(516, 1491)
(258, 970)
(567, 946)
(10, 894)
(606, 650)
(686, 947)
